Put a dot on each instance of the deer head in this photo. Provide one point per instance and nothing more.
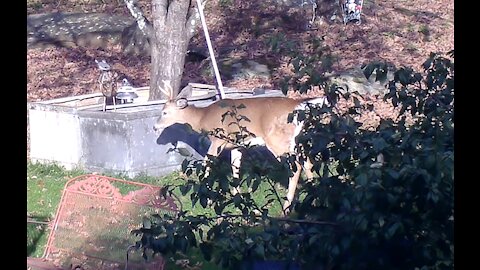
(173, 110)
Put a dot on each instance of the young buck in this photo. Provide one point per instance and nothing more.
(267, 120)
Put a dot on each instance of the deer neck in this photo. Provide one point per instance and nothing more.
(193, 116)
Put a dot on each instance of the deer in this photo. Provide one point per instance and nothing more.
(267, 123)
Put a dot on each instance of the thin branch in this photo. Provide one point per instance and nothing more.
(278, 197)
(305, 221)
(178, 200)
(193, 19)
(31, 220)
(301, 221)
(140, 18)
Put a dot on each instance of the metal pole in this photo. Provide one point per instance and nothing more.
(210, 50)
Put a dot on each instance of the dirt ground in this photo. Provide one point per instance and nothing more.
(400, 32)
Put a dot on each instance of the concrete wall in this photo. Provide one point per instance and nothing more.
(54, 135)
(96, 141)
(121, 141)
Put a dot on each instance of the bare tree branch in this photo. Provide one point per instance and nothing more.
(140, 18)
(193, 19)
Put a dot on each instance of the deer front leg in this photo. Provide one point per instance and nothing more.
(214, 150)
(236, 160)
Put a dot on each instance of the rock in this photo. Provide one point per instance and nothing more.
(75, 29)
(247, 70)
(354, 80)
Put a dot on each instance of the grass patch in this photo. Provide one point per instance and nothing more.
(411, 48)
(45, 184)
(424, 29)
(44, 190)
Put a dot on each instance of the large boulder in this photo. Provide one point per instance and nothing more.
(75, 29)
(354, 80)
(244, 69)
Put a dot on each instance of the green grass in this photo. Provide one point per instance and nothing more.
(45, 184)
(44, 190)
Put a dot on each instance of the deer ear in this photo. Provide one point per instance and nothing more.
(182, 103)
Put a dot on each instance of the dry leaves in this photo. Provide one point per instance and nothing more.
(401, 32)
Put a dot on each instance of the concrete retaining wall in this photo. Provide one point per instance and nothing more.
(121, 141)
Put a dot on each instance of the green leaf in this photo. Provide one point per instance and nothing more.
(393, 173)
(206, 249)
(313, 240)
(368, 70)
(381, 75)
(417, 77)
(403, 77)
(427, 63)
(184, 189)
(185, 163)
(259, 251)
(194, 198)
(203, 201)
(219, 208)
(256, 184)
(363, 155)
(191, 238)
(335, 250)
(147, 224)
(356, 101)
(346, 204)
(181, 243)
(290, 118)
(363, 224)
(242, 117)
(269, 201)
(237, 199)
(379, 144)
(301, 116)
(381, 221)
(296, 64)
(392, 230)
(430, 162)
(362, 179)
(224, 185)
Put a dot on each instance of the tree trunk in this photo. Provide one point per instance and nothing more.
(174, 23)
(172, 27)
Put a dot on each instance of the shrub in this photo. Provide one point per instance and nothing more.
(383, 197)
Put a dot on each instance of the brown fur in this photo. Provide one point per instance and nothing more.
(268, 120)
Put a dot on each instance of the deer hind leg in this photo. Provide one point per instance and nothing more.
(292, 186)
(308, 167)
(114, 103)
(293, 182)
